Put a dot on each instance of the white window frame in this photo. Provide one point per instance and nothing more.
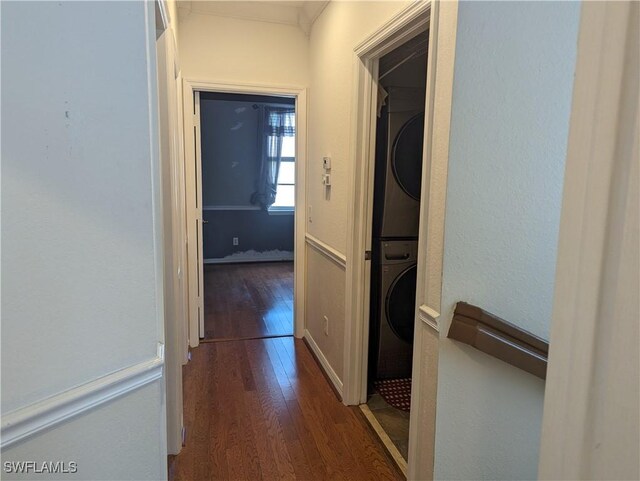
(284, 209)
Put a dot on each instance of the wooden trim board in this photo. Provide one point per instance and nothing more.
(499, 338)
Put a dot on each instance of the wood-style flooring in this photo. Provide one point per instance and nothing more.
(248, 300)
(262, 410)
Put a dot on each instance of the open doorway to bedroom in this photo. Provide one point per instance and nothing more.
(247, 177)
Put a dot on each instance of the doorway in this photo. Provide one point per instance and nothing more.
(245, 175)
(440, 21)
(247, 146)
(400, 109)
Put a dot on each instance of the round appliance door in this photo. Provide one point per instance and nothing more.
(400, 304)
(407, 156)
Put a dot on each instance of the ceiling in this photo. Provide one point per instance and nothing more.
(299, 13)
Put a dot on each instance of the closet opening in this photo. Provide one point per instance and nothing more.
(399, 135)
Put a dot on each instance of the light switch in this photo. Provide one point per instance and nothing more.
(326, 163)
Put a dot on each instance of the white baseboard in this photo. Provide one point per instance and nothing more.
(30, 420)
(324, 363)
(252, 256)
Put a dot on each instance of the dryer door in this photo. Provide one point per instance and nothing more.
(400, 304)
(407, 156)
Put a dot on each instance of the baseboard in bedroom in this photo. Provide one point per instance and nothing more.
(252, 256)
(330, 374)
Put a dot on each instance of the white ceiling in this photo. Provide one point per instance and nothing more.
(300, 12)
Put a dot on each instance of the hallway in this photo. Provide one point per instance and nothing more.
(261, 409)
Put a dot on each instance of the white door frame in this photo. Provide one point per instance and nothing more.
(182, 196)
(191, 86)
(409, 23)
(441, 19)
(175, 295)
(590, 419)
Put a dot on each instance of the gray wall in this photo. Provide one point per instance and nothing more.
(256, 230)
(230, 132)
(230, 152)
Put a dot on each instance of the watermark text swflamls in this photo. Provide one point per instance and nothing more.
(42, 467)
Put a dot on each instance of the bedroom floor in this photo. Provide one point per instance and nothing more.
(249, 300)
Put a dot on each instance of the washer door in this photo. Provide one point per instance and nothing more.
(400, 304)
(406, 159)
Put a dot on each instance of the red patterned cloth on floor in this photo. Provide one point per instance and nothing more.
(397, 392)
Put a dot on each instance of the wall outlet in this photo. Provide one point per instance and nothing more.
(326, 326)
(235, 241)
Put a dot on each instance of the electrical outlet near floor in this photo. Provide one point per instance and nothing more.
(235, 241)
(326, 326)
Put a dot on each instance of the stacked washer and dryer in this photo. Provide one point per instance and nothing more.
(398, 175)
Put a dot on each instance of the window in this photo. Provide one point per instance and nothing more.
(285, 194)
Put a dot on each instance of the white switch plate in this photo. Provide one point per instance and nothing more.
(326, 163)
(235, 241)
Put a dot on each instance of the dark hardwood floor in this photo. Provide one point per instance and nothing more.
(248, 300)
(262, 410)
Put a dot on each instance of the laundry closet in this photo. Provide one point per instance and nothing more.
(396, 211)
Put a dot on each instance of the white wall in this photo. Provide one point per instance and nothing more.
(591, 422)
(242, 51)
(115, 441)
(334, 35)
(81, 265)
(513, 81)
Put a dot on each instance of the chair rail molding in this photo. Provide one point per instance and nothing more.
(429, 316)
(326, 250)
(34, 418)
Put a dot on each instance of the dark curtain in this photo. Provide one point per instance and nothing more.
(278, 123)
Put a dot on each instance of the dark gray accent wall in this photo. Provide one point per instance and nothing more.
(255, 229)
(230, 153)
(230, 145)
